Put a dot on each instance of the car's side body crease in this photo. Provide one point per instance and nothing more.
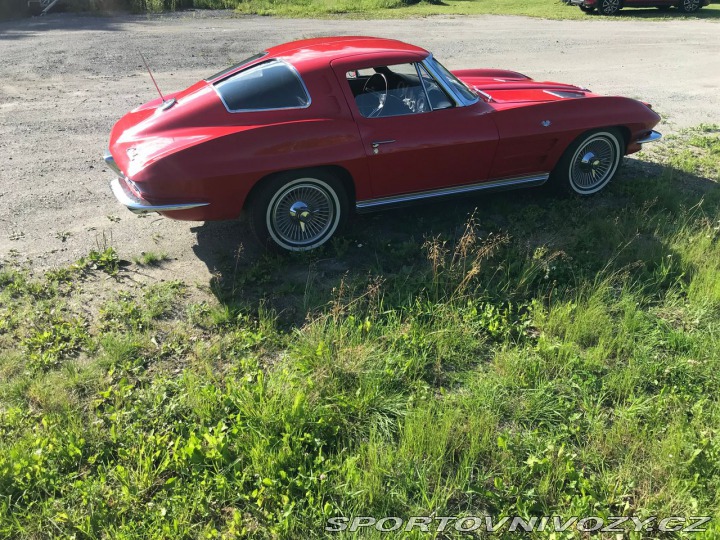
(498, 185)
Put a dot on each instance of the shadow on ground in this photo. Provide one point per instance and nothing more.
(610, 230)
(15, 29)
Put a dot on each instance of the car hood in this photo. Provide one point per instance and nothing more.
(504, 89)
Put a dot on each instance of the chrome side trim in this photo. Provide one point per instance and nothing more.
(424, 87)
(443, 83)
(230, 71)
(111, 162)
(504, 183)
(488, 97)
(428, 63)
(565, 94)
(139, 206)
(375, 144)
(654, 136)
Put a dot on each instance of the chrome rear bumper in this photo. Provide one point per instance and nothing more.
(136, 204)
(140, 206)
(652, 137)
(111, 162)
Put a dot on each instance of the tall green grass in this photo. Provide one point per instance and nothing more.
(550, 9)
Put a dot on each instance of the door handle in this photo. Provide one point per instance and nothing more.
(376, 144)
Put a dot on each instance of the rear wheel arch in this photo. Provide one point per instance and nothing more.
(341, 173)
(300, 209)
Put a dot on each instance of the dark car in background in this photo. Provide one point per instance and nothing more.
(611, 7)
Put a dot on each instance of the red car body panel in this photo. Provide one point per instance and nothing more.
(198, 151)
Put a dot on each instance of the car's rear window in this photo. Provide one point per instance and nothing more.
(236, 66)
(269, 85)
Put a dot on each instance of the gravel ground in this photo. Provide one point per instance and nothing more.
(65, 79)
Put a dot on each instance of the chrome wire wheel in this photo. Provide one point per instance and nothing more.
(303, 214)
(689, 6)
(594, 163)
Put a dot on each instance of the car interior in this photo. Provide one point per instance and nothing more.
(396, 90)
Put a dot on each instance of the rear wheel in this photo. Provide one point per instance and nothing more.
(608, 7)
(689, 6)
(589, 163)
(298, 211)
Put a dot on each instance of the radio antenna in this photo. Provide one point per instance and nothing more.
(151, 76)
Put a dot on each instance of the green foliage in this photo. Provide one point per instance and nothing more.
(53, 340)
(150, 258)
(127, 312)
(155, 6)
(548, 9)
(701, 154)
(106, 260)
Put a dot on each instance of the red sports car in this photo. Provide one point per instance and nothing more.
(611, 7)
(301, 134)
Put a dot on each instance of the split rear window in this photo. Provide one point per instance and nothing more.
(268, 85)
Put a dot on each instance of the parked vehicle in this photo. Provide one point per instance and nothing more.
(301, 134)
(611, 7)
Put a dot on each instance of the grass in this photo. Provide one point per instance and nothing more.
(150, 258)
(540, 357)
(546, 9)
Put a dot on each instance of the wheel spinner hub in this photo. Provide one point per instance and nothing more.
(590, 162)
(301, 213)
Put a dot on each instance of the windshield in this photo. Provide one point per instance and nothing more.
(456, 84)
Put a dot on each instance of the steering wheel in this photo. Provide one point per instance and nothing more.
(376, 84)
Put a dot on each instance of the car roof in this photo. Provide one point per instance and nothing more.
(330, 48)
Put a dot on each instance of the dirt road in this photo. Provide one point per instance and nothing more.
(65, 79)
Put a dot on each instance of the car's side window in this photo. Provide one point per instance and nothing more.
(396, 90)
(269, 85)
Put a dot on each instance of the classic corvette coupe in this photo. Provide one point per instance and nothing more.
(301, 134)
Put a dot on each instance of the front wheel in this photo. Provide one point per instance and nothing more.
(298, 211)
(608, 7)
(589, 163)
(689, 6)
